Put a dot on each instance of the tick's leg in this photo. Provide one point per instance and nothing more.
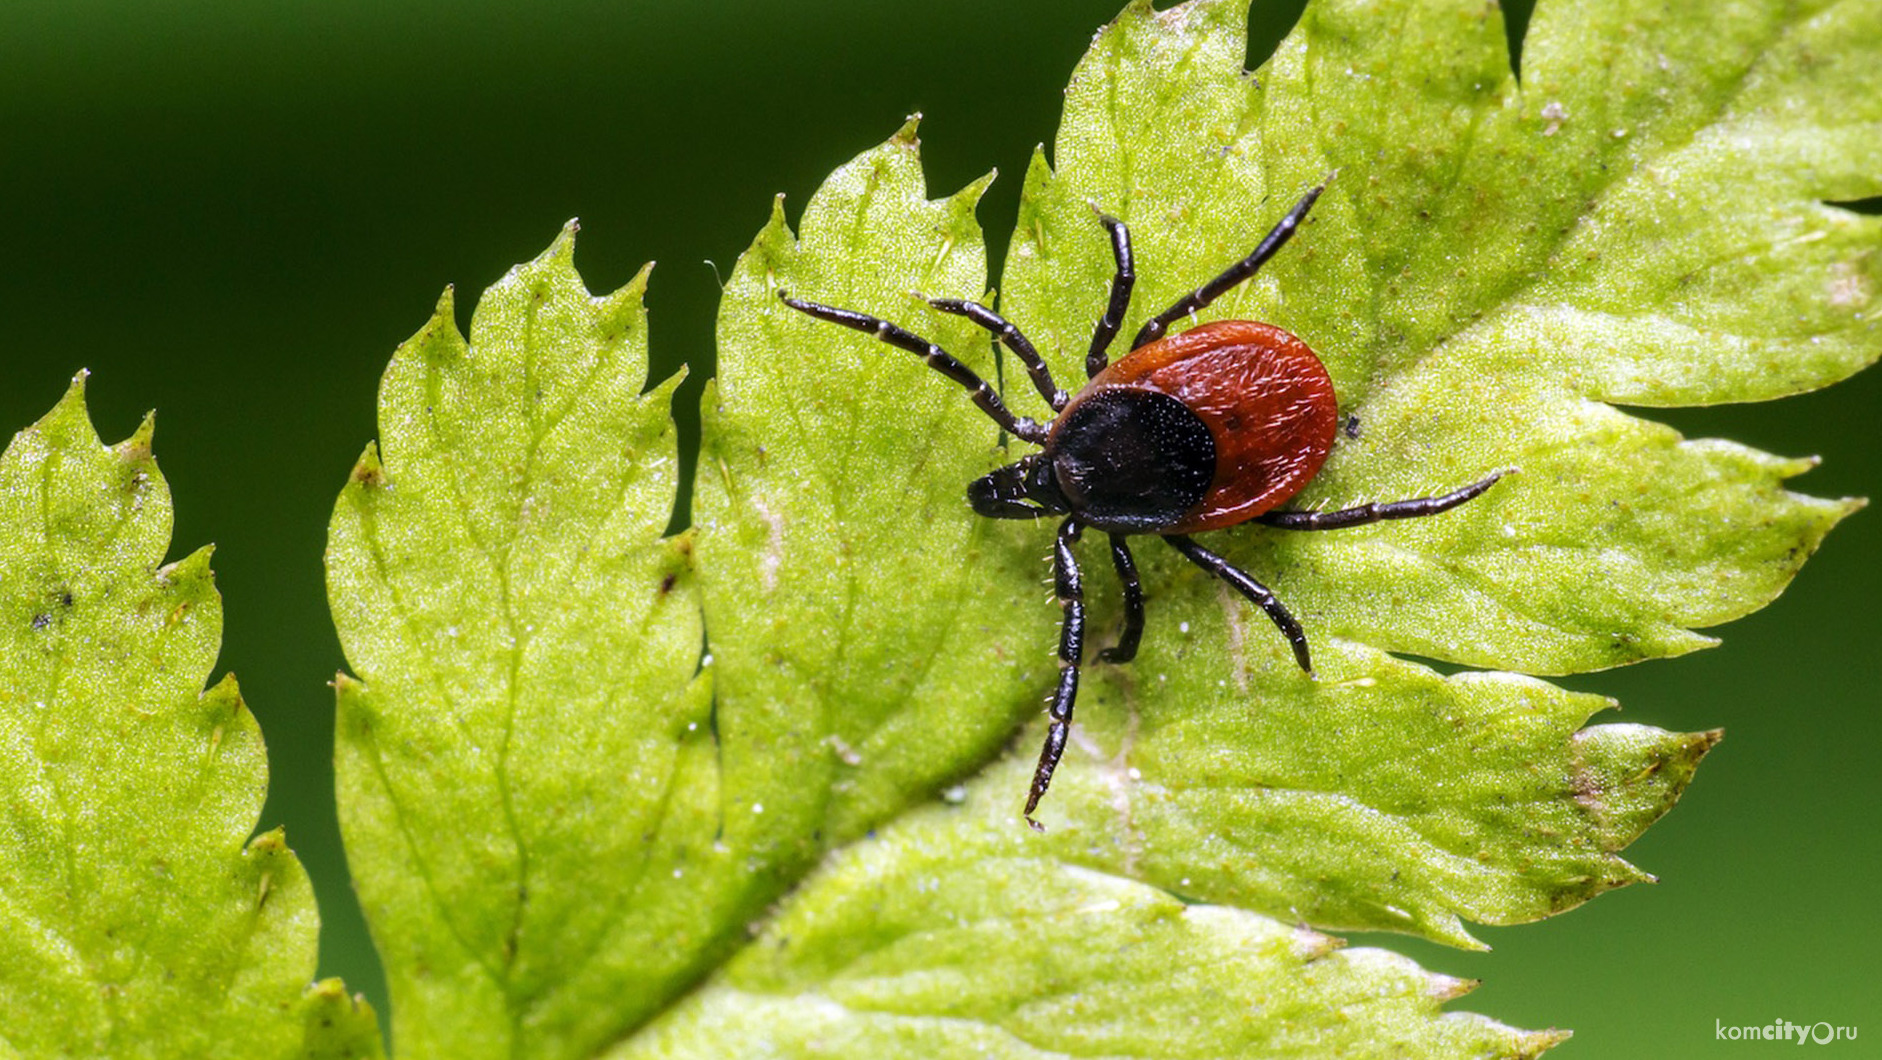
(1071, 651)
(936, 357)
(1249, 587)
(1126, 647)
(1016, 341)
(1121, 283)
(1234, 274)
(1377, 511)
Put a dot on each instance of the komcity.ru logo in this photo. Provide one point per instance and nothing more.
(1784, 1031)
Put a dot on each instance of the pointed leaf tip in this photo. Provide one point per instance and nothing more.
(1443, 988)
(69, 419)
(339, 1025)
(635, 289)
(1542, 1041)
(562, 248)
(136, 447)
(970, 193)
(367, 470)
(270, 843)
(192, 567)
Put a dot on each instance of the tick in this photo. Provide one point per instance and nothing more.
(1194, 431)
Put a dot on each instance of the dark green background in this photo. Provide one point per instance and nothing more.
(233, 213)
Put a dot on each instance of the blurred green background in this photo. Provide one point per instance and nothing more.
(233, 211)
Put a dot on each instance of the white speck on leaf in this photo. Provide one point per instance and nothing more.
(1555, 114)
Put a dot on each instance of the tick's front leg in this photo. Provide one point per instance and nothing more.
(1071, 593)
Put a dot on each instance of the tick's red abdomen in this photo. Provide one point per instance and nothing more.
(1265, 398)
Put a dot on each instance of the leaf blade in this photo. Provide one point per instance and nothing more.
(834, 684)
(949, 937)
(527, 729)
(140, 917)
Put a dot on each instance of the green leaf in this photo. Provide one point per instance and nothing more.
(528, 781)
(137, 916)
(869, 641)
(1482, 275)
(565, 815)
(950, 938)
(1418, 280)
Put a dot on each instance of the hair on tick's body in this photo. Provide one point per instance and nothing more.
(1196, 431)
